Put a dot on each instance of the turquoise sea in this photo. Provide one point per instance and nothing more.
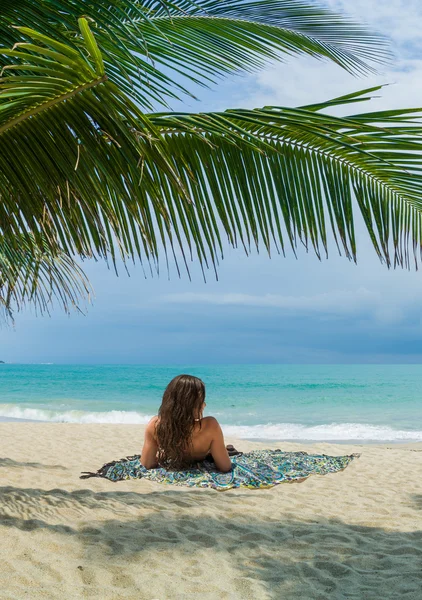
(283, 402)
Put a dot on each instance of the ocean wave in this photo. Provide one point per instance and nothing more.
(329, 432)
(73, 416)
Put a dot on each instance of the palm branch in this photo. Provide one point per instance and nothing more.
(85, 171)
(197, 40)
(33, 275)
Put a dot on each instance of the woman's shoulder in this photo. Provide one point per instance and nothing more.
(152, 423)
(150, 430)
(210, 422)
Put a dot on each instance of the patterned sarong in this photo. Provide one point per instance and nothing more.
(257, 469)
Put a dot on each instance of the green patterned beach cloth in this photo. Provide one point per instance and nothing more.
(256, 470)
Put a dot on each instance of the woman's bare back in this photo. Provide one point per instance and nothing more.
(202, 437)
(207, 438)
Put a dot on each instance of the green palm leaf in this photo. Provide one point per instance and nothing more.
(99, 186)
(30, 274)
(210, 38)
(85, 172)
(277, 174)
(73, 154)
(200, 40)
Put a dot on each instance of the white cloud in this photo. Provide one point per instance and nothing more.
(337, 302)
(305, 80)
(398, 19)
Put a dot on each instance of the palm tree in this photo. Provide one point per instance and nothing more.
(88, 168)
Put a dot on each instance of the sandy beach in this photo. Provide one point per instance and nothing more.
(354, 534)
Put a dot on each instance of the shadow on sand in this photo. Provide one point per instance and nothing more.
(322, 559)
(9, 463)
(417, 499)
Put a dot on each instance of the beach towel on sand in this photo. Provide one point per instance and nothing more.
(256, 469)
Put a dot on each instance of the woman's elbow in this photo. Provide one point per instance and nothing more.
(225, 468)
(149, 463)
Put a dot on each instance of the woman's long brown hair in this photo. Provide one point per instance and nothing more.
(181, 405)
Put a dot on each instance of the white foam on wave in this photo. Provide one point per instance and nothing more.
(327, 432)
(270, 431)
(73, 416)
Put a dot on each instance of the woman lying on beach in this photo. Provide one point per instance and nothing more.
(180, 435)
(180, 438)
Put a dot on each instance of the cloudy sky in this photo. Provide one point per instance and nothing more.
(278, 310)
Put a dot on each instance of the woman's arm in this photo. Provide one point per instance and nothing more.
(150, 447)
(218, 448)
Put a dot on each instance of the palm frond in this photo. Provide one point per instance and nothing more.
(84, 166)
(280, 174)
(83, 171)
(75, 153)
(200, 40)
(30, 274)
(210, 38)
